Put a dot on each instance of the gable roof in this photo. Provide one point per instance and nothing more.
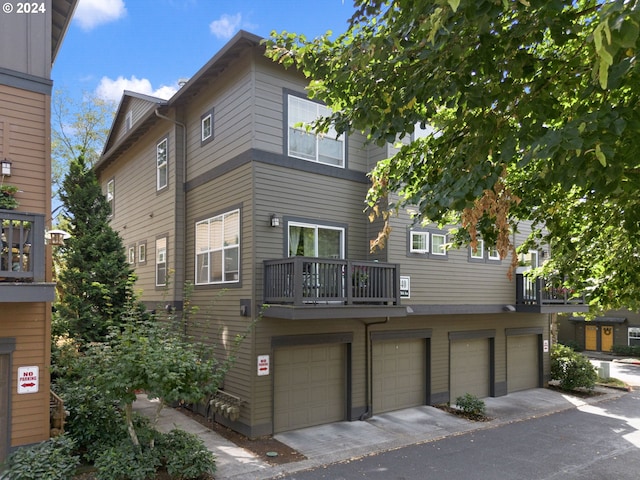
(61, 13)
(231, 51)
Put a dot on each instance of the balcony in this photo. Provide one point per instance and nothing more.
(22, 258)
(547, 295)
(308, 283)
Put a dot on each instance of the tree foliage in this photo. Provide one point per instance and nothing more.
(530, 109)
(97, 282)
(77, 128)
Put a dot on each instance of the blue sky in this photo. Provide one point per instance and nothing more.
(148, 45)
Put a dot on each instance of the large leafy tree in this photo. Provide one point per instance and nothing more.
(530, 109)
(97, 282)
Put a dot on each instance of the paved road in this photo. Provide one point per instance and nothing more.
(586, 443)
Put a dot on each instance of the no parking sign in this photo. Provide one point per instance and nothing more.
(28, 379)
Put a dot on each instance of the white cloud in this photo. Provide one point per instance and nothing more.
(91, 13)
(226, 26)
(109, 89)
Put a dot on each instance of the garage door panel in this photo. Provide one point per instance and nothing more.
(399, 374)
(309, 386)
(470, 368)
(522, 362)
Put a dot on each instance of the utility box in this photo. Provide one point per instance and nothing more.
(605, 370)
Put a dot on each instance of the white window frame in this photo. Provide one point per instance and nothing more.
(132, 255)
(439, 252)
(294, 128)
(478, 253)
(205, 251)
(161, 261)
(316, 227)
(111, 195)
(633, 333)
(419, 234)
(206, 130)
(142, 252)
(162, 164)
(493, 254)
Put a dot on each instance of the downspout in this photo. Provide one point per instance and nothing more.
(368, 357)
(181, 211)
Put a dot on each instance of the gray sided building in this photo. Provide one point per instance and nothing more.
(219, 187)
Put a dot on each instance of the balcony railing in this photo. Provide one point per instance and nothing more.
(545, 291)
(22, 257)
(307, 281)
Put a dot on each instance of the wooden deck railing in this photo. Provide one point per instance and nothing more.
(308, 280)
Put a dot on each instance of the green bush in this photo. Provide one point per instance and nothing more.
(572, 369)
(185, 456)
(627, 350)
(127, 462)
(52, 460)
(94, 422)
(471, 405)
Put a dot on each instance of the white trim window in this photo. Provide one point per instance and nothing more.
(161, 261)
(206, 127)
(142, 253)
(310, 240)
(438, 244)
(326, 148)
(132, 255)
(478, 252)
(162, 164)
(493, 253)
(111, 195)
(218, 249)
(634, 336)
(419, 242)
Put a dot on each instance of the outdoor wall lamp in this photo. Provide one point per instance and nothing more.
(6, 168)
(56, 237)
(275, 220)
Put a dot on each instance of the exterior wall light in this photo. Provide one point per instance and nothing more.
(6, 168)
(56, 237)
(275, 220)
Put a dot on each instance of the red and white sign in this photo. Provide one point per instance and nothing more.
(263, 365)
(28, 379)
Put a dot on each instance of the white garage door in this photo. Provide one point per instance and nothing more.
(470, 371)
(309, 386)
(398, 374)
(522, 362)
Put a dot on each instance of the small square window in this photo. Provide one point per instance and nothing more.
(493, 253)
(419, 242)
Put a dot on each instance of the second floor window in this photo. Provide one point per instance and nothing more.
(324, 148)
(162, 160)
(206, 127)
(111, 191)
(218, 249)
(428, 243)
(419, 242)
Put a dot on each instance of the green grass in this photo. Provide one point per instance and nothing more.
(612, 382)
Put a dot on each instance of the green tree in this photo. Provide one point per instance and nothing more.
(528, 110)
(97, 282)
(77, 128)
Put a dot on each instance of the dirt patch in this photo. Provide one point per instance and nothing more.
(267, 448)
(581, 393)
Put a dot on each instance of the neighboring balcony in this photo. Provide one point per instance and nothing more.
(547, 295)
(308, 282)
(22, 258)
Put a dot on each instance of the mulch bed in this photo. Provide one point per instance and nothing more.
(463, 414)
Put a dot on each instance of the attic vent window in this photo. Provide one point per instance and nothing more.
(128, 121)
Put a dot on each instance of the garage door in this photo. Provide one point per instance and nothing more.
(5, 373)
(309, 386)
(398, 374)
(470, 371)
(522, 362)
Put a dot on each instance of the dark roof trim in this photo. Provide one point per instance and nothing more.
(61, 14)
(599, 320)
